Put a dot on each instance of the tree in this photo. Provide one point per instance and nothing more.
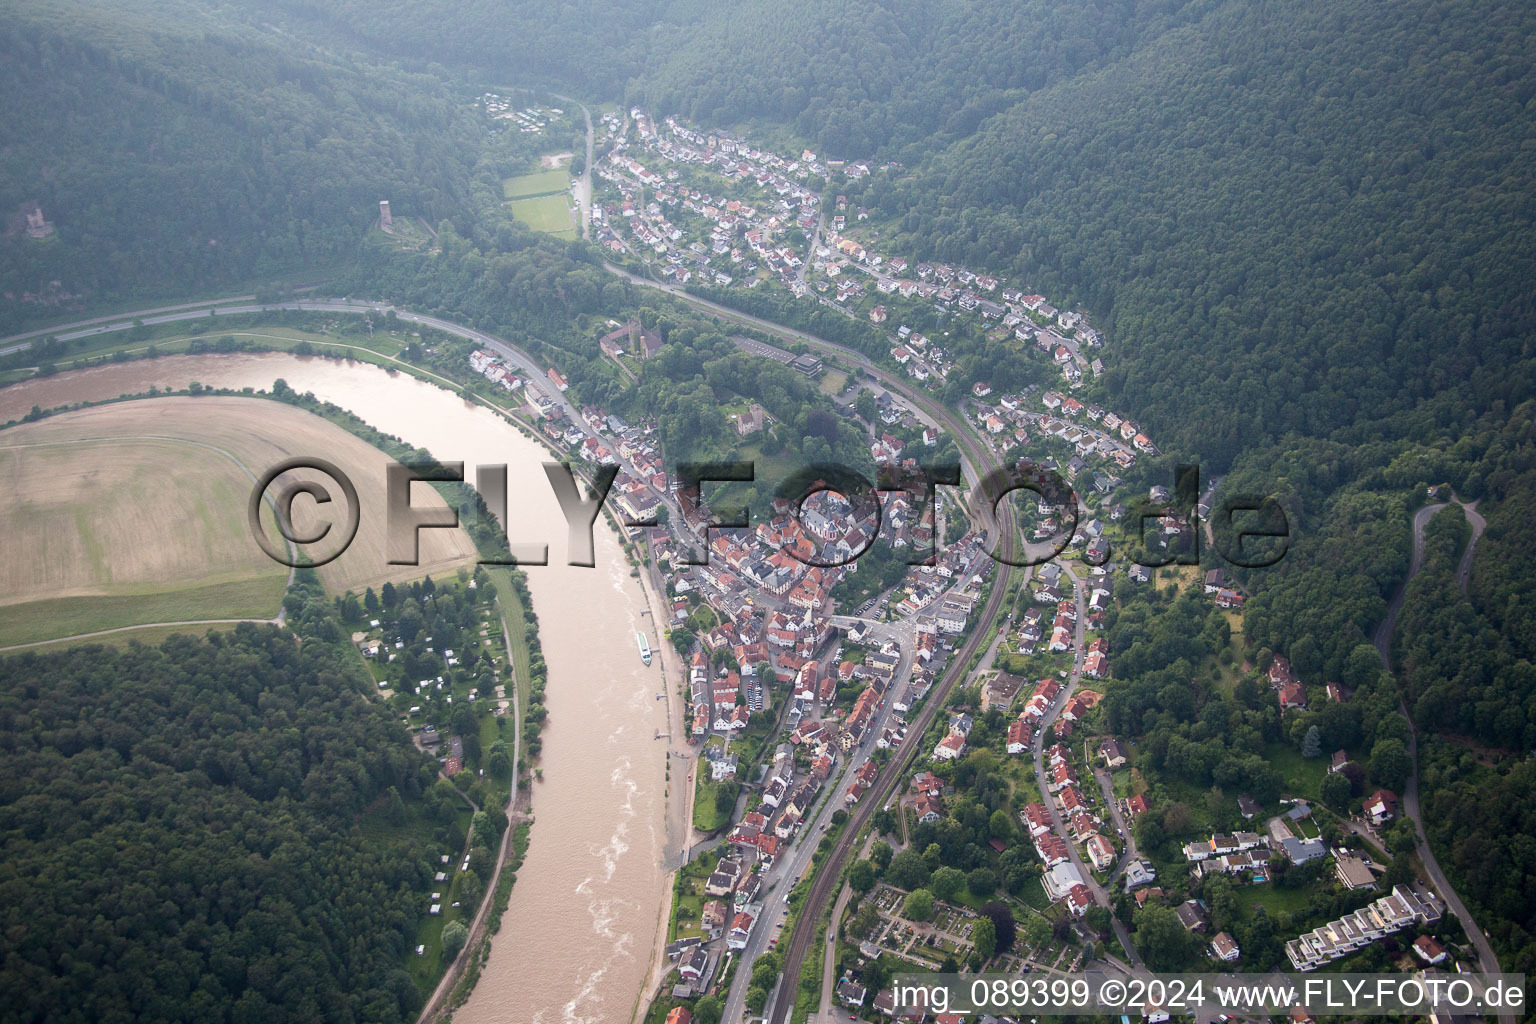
(499, 760)
(881, 853)
(1177, 818)
(1000, 825)
(982, 882)
(708, 1010)
(1161, 939)
(861, 877)
(1335, 790)
(757, 997)
(1312, 745)
(865, 920)
(946, 883)
(918, 906)
(765, 969)
(1003, 925)
(1037, 930)
(454, 937)
(984, 937)
(470, 889)
(877, 973)
(907, 870)
(1390, 763)
(488, 826)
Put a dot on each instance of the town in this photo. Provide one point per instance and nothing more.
(795, 701)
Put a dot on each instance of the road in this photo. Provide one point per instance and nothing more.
(810, 251)
(140, 625)
(1488, 962)
(21, 344)
(821, 891)
(829, 962)
(929, 411)
(1107, 787)
(796, 861)
(1058, 823)
(976, 456)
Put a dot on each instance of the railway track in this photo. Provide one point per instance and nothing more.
(829, 875)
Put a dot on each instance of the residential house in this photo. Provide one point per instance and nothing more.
(1381, 806)
(1101, 852)
(1192, 916)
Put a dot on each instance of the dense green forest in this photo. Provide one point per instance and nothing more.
(189, 831)
(175, 152)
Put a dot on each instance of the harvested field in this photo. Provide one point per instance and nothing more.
(136, 513)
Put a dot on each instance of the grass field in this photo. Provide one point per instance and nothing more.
(1303, 776)
(136, 513)
(539, 183)
(833, 382)
(549, 214)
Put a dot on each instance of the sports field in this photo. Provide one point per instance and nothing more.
(549, 214)
(539, 183)
(136, 513)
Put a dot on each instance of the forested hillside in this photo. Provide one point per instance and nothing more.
(1309, 218)
(182, 839)
(175, 151)
(592, 47)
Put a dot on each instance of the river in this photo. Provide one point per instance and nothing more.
(578, 939)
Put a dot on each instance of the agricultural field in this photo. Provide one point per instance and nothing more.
(135, 513)
(539, 183)
(549, 214)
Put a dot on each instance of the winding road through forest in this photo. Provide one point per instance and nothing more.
(1488, 962)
